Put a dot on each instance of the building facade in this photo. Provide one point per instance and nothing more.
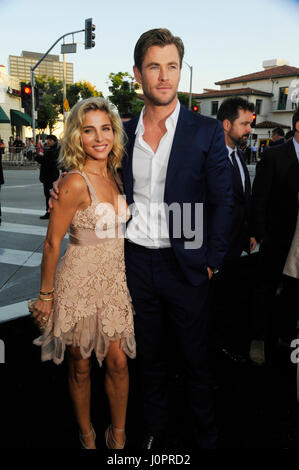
(19, 67)
(13, 121)
(274, 92)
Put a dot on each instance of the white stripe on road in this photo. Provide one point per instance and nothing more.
(21, 186)
(25, 229)
(22, 228)
(13, 311)
(18, 210)
(20, 257)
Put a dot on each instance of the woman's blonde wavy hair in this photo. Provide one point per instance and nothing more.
(72, 155)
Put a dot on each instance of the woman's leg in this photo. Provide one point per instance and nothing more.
(79, 387)
(117, 389)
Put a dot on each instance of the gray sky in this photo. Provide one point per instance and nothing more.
(222, 39)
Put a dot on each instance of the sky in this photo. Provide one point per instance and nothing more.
(223, 39)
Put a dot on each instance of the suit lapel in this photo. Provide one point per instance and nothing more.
(183, 134)
(127, 163)
(293, 167)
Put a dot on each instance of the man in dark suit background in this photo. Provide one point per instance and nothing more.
(277, 137)
(275, 209)
(49, 171)
(175, 160)
(227, 303)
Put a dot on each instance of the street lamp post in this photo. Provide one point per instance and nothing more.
(32, 75)
(190, 93)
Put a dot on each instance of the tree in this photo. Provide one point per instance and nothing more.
(80, 90)
(184, 99)
(49, 112)
(124, 96)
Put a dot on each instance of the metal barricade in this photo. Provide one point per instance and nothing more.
(16, 156)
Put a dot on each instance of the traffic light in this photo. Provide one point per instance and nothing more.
(26, 96)
(89, 34)
(253, 124)
(39, 97)
(195, 108)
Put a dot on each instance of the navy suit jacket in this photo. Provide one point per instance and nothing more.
(198, 172)
(241, 223)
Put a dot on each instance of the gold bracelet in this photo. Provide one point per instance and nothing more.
(46, 300)
(46, 293)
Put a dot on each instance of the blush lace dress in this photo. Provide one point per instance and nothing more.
(92, 305)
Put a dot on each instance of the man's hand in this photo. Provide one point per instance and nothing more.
(210, 272)
(253, 244)
(55, 190)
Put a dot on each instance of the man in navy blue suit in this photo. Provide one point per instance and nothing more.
(177, 178)
(228, 304)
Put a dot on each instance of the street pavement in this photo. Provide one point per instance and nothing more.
(255, 407)
(22, 234)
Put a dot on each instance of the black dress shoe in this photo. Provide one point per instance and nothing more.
(234, 357)
(46, 216)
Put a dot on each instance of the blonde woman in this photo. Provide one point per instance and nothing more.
(86, 307)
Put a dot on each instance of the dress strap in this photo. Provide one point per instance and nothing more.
(91, 189)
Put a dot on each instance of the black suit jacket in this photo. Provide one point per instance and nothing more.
(48, 170)
(275, 198)
(198, 172)
(241, 225)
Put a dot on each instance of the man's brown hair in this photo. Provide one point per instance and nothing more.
(156, 37)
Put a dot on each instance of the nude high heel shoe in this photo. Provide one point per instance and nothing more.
(111, 442)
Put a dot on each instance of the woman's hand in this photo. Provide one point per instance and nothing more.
(42, 311)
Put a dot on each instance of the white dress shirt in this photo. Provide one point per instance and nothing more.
(148, 226)
(230, 150)
(296, 145)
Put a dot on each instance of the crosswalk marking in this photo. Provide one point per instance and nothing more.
(19, 210)
(13, 311)
(25, 229)
(21, 186)
(20, 257)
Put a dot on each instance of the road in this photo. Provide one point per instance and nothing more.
(22, 234)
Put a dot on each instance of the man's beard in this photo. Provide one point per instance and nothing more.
(240, 140)
(156, 101)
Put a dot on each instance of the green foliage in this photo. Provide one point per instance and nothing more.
(49, 113)
(123, 94)
(184, 99)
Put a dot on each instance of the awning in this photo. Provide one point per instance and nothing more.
(3, 117)
(20, 119)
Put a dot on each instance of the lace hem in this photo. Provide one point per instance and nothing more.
(88, 335)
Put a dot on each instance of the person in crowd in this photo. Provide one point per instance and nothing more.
(275, 207)
(277, 137)
(254, 149)
(87, 307)
(2, 148)
(48, 170)
(39, 148)
(11, 146)
(289, 136)
(18, 144)
(227, 306)
(174, 159)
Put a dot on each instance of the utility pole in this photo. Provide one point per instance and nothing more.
(190, 93)
(37, 64)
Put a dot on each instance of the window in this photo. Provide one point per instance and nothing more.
(283, 97)
(214, 108)
(227, 86)
(258, 106)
